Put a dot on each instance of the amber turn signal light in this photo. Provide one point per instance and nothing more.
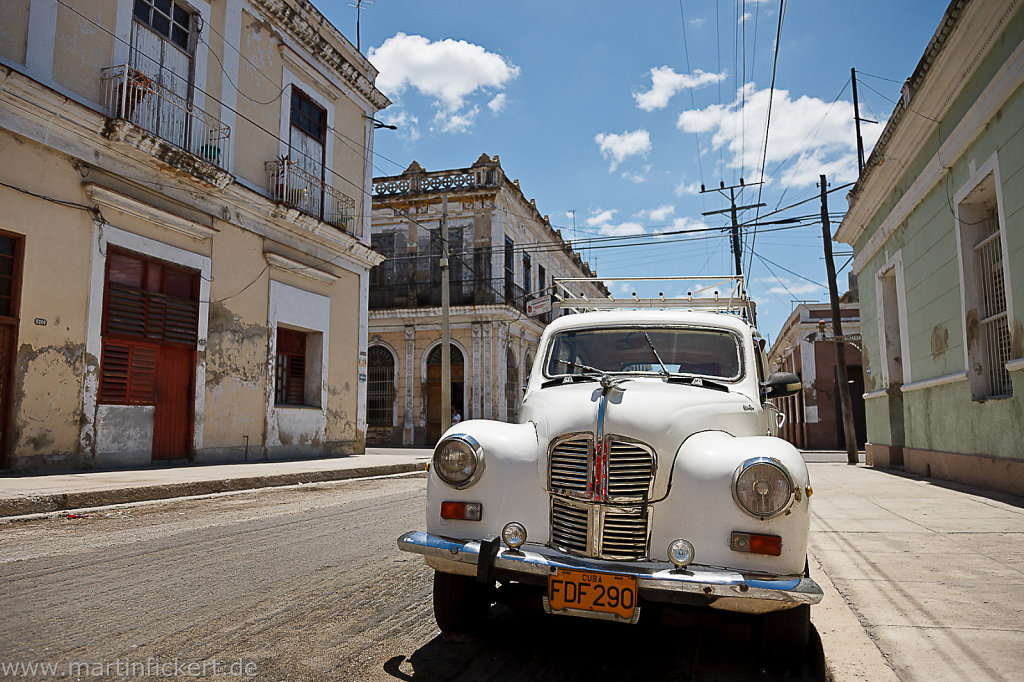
(462, 511)
(756, 544)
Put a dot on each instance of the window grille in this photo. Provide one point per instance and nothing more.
(290, 372)
(380, 389)
(995, 332)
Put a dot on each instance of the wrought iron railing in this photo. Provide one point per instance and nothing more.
(135, 97)
(434, 182)
(294, 186)
(428, 294)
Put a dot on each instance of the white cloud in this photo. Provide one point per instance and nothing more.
(448, 72)
(789, 287)
(665, 83)
(684, 188)
(497, 105)
(408, 124)
(698, 22)
(602, 220)
(659, 214)
(452, 122)
(601, 217)
(621, 147)
(637, 176)
(808, 135)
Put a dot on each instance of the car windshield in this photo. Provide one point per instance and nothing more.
(702, 352)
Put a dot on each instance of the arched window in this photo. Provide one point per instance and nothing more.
(380, 387)
(435, 355)
(511, 388)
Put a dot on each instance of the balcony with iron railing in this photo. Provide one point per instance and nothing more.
(132, 96)
(462, 293)
(297, 188)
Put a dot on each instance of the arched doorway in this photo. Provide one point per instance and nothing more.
(434, 389)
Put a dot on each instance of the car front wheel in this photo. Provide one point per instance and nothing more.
(785, 637)
(460, 603)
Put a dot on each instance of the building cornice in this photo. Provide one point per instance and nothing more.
(279, 262)
(109, 198)
(353, 68)
(964, 37)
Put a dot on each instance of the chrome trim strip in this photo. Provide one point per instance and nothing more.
(656, 576)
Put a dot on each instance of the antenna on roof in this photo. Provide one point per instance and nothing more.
(358, 4)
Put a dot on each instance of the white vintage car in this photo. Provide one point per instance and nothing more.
(644, 473)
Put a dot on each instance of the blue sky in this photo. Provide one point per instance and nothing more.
(620, 111)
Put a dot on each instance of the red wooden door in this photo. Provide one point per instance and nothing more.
(172, 426)
(8, 334)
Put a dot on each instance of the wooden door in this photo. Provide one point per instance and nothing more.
(8, 336)
(172, 425)
(434, 398)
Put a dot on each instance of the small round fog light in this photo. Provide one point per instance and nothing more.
(513, 534)
(680, 553)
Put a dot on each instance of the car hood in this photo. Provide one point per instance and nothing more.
(651, 411)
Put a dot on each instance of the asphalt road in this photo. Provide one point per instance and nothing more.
(301, 583)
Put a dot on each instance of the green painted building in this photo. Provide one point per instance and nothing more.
(936, 221)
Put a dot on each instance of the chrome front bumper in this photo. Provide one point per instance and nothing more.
(722, 588)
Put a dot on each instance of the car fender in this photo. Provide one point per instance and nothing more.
(510, 488)
(700, 506)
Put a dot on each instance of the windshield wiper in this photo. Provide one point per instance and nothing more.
(654, 350)
(699, 382)
(592, 374)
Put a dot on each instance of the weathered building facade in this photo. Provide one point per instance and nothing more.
(937, 225)
(806, 346)
(503, 253)
(184, 246)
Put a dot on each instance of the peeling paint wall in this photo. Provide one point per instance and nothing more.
(83, 48)
(50, 354)
(236, 348)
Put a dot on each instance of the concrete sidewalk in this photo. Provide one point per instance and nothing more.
(56, 492)
(932, 571)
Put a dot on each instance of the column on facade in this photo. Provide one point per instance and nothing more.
(477, 376)
(408, 432)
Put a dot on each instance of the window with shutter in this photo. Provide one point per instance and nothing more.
(146, 305)
(290, 373)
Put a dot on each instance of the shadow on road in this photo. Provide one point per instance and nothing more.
(534, 647)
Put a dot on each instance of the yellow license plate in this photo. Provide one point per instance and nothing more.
(586, 591)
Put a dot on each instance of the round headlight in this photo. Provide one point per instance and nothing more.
(763, 487)
(458, 460)
(514, 534)
(680, 552)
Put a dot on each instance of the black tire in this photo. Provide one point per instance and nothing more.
(785, 636)
(460, 603)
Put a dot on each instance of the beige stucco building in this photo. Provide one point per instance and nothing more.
(184, 249)
(503, 253)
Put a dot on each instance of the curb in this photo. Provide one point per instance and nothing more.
(38, 504)
(850, 653)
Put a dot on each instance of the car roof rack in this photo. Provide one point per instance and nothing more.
(721, 294)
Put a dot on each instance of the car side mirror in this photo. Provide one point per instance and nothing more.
(781, 384)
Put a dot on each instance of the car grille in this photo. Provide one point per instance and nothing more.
(630, 467)
(610, 522)
(570, 464)
(621, 532)
(569, 525)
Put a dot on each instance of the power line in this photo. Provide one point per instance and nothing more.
(767, 129)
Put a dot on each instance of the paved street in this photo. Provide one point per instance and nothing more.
(303, 583)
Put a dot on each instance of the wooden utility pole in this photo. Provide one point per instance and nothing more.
(856, 118)
(733, 208)
(446, 353)
(837, 332)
